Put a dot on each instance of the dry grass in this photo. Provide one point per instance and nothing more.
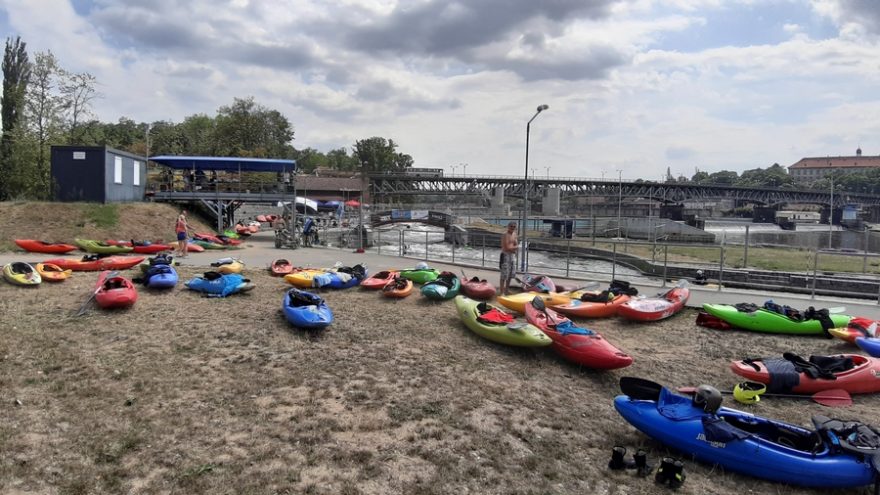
(63, 222)
(183, 394)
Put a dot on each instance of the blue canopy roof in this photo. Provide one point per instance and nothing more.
(225, 163)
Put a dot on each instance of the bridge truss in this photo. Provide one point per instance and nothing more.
(384, 186)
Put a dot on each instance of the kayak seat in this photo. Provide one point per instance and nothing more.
(849, 436)
(798, 439)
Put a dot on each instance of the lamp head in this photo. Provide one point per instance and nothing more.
(541, 108)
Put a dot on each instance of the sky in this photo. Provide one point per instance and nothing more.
(634, 87)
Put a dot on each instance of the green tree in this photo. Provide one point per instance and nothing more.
(44, 108)
(16, 72)
(724, 178)
(378, 155)
(78, 90)
(246, 128)
(700, 177)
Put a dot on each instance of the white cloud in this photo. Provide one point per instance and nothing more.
(449, 94)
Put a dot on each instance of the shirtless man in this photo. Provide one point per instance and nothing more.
(508, 257)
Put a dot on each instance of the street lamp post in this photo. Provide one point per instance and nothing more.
(361, 207)
(619, 197)
(525, 210)
(464, 168)
(831, 214)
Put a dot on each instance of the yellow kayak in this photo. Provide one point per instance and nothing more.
(517, 302)
(21, 274)
(232, 267)
(302, 279)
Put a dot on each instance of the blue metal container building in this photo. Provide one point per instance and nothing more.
(97, 174)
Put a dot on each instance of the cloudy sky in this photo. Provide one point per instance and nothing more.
(636, 86)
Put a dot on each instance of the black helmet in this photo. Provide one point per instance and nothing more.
(707, 398)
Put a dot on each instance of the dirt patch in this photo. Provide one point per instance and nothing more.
(184, 394)
(63, 222)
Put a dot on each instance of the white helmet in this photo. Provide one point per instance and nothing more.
(421, 265)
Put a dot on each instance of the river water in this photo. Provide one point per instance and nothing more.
(811, 236)
(419, 239)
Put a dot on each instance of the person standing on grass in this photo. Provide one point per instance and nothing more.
(181, 228)
(508, 257)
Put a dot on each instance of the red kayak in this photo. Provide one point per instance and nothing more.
(379, 280)
(857, 327)
(34, 246)
(115, 291)
(280, 268)
(862, 378)
(143, 247)
(477, 288)
(108, 263)
(655, 308)
(216, 239)
(578, 345)
(538, 283)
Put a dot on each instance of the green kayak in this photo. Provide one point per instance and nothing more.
(420, 276)
(91, 246)
(763, 320)
(446, 286)
(209, 245)
(517, 333)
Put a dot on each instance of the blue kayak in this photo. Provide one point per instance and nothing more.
(214, 284)
(748, 444)
(341, 278)
(871, 345)
(161, 277)
(445, 286)
(306, 310)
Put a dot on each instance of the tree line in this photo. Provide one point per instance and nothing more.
(44, 105)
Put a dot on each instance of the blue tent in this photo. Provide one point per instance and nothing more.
(225, 163)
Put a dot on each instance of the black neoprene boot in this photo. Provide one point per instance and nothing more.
(676, 478)
(617, 454)
(664, 472)
(641, 463)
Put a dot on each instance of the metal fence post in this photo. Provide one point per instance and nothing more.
(401, 238)
(483, 262)
(746, 250)
(453, 247)
(426, 245)
(614, 260)
(721, 267)
(865, 256)
(378, 241)
(815, 272)
(567, 257)
(665, 263)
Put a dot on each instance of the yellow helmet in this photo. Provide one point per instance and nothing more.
(749, 392)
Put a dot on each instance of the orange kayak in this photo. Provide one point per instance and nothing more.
(108, 263)
(52, 273)
(592, 309)
(398, 288)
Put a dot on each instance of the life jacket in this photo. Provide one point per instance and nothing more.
(492, 315)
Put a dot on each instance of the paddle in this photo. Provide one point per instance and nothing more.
(538, 304)
(82, 309)
(590, 286)
(831, 398)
